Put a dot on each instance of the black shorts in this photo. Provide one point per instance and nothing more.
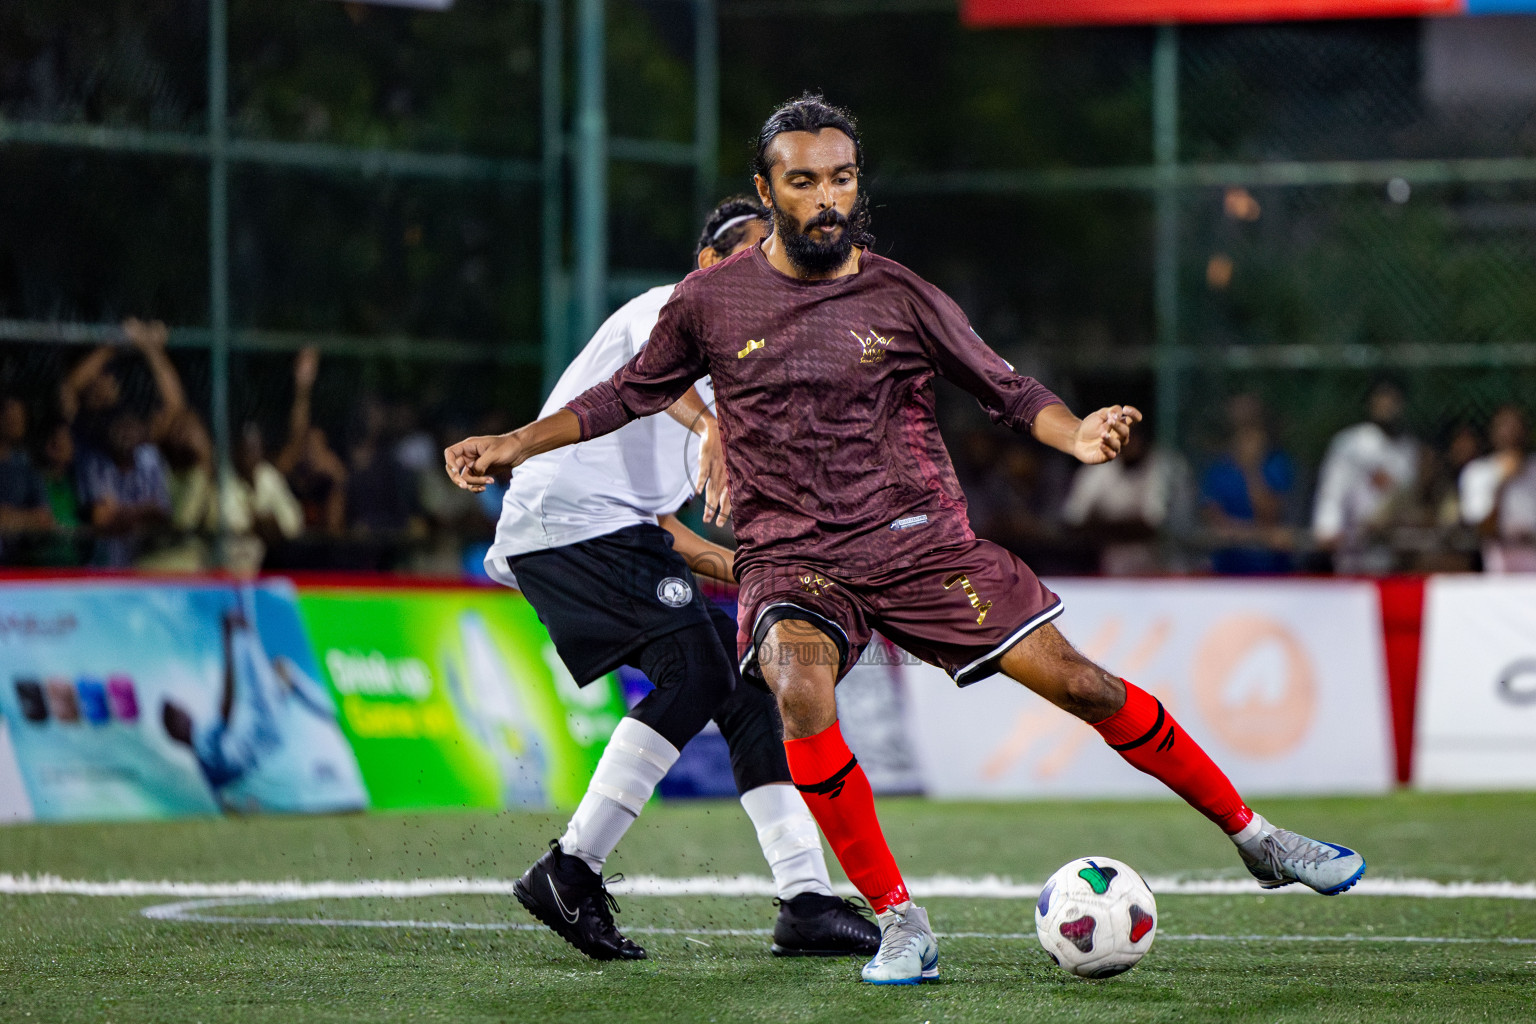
(603, 599)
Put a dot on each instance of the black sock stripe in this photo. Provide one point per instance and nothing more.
(831, 786)
(1156, 728)
(1167, 743)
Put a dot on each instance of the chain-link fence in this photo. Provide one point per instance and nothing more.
(1175, 218)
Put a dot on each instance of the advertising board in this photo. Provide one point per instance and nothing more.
(1281, 682)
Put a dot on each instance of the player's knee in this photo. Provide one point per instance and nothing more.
(1091, 693)
(806, 705)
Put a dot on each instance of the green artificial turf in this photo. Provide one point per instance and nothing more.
(77, 958)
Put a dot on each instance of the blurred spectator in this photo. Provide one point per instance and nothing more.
(1498, 495)
(63, 495)
(1245, 496)
(1516, 544)
(125, 493)
(1428, 534)
(381, 493)
(1126, 505)
(259, 510)
(1442, 476)
(91, 395)
(188, 453)
(453, 516)
(23, 494)
(417, 450)
(315, 473)
(1013, 491)
(1366, 479)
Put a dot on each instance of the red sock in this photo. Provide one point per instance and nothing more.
(837, 792)
(1145, 734)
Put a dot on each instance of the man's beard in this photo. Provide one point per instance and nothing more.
(805, 252)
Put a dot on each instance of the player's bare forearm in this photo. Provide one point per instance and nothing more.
(704, 557)
(691, 411)
(1097, 437)
(475, 462)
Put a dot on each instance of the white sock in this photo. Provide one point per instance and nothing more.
(787, 833)
(636, 758)
(1253, 828)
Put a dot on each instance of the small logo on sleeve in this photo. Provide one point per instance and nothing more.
(909, 522)
(673, 592)
(752, 346)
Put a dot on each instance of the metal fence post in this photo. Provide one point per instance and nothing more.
(1165, 157)
(706, 104)
(590, 172)
(554, 295)
(218, 249)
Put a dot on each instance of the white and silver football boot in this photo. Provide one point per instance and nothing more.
(1277, 856)
(908, 954)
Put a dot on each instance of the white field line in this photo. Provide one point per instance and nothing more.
(985, 887)
(194, 912)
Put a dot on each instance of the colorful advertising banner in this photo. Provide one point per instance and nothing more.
(126, 699)
(141, 700)
(1477, 689)
(1282, 682)
(1003, 13)
(456, 697)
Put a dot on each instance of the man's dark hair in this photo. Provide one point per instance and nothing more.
(727, 226)
(811, 113)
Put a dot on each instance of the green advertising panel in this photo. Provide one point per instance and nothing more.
(457, 697)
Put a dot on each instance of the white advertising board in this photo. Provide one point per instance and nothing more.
(1282, 682)
(1476, 720)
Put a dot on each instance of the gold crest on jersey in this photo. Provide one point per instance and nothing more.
(752, 346)
(872, 347)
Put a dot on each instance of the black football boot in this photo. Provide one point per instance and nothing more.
(571, 899)
(815, 925)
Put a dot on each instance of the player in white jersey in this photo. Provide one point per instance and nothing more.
(590, 536)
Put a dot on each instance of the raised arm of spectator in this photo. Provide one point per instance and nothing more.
(306, 366)
(149, 337)
(79, 378)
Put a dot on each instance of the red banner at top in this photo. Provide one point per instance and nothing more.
(999, 13)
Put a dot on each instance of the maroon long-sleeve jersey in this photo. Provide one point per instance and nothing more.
(824, 395)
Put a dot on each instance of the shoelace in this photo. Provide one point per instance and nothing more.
(860, 907)
(856, 904)
(1302, 850)
(602, 901)
(901, 936)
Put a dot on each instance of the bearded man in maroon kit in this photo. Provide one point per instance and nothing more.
(849, 516)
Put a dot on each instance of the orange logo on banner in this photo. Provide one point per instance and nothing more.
(1255, 685)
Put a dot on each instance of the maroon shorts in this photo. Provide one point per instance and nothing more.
(960, 608)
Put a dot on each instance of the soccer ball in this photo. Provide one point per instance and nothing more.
(1096, 917)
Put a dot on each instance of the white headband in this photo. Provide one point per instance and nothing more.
(733, 222)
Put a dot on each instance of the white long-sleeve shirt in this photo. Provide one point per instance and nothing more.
(643, 470)
(1348, 499)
